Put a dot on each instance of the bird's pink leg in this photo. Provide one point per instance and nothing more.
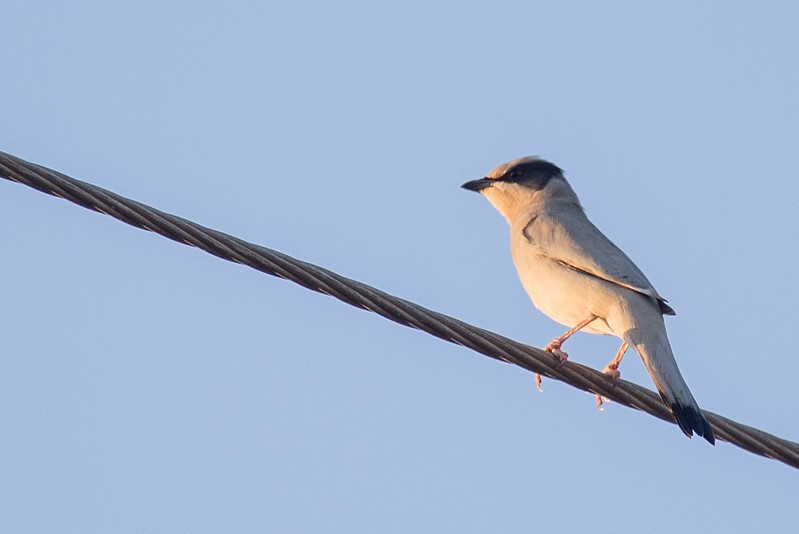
(555, 345)
(612, 370)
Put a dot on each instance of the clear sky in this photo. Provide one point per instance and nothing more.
(148, 387)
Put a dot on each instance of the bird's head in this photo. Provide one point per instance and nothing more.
(520, 185)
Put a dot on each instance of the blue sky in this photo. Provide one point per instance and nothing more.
(146, 386)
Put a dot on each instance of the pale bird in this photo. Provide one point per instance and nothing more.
(578, 277)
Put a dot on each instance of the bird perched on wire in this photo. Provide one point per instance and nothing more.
(578, 277)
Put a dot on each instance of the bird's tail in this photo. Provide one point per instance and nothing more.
(655, 351)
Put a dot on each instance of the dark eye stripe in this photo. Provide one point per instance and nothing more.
(533, 174)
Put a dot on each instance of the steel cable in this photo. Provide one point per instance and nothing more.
(363, 296)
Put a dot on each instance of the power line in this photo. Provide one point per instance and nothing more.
(363, 296)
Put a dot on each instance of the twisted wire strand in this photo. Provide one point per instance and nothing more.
(369, 298)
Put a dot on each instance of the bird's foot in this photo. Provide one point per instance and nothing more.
(554, 349)
(612, 372)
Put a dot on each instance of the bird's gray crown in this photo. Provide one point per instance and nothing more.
(530, 171)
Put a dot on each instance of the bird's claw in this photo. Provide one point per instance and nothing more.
(557, 353)
(554, 349)
(538, 382)
(611, 370)
(599, 399)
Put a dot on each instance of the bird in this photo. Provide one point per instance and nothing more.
(580, 279)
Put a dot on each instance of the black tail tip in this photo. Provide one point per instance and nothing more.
(690, 420)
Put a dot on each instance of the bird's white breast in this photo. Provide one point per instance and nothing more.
(560, 292)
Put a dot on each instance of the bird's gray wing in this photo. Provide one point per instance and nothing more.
(572, 240)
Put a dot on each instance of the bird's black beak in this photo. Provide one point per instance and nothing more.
(477, 185)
